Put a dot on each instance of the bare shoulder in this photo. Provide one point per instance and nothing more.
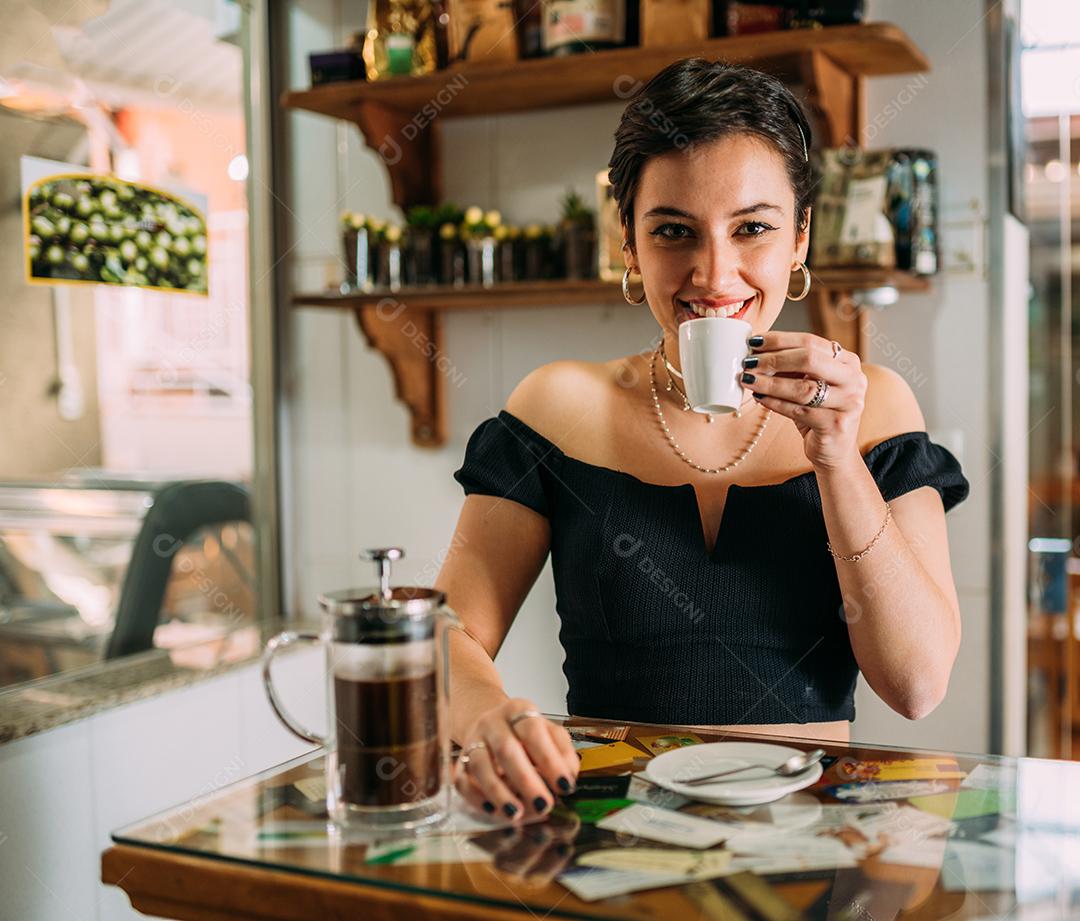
(554, 399)
(890, 408)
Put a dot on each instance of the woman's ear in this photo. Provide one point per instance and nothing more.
(802, 241)
(629, 256)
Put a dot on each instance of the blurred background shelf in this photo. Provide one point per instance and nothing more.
(568, 292)
(399, 120)
(864, 50)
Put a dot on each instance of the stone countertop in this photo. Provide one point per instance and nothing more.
(64, 698)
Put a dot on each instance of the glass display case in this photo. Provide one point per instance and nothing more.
(94, 567)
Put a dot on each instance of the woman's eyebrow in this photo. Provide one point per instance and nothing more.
(671, 211)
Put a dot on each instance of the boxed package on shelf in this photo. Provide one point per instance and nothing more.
(876, 208)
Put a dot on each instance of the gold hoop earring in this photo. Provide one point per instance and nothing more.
(806, 284)
(626, 289)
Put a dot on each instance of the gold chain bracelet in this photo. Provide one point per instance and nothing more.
(870, 546)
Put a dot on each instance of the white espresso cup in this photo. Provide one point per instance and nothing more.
(711, 351)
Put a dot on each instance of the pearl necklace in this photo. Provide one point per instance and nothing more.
(675, 445)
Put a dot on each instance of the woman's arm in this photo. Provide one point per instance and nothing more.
(495, 556)
(900, 602)
(497, 551)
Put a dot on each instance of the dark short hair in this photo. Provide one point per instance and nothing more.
(693, 101)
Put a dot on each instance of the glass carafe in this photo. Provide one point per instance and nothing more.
(387, 745)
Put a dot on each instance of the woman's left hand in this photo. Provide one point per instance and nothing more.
(786, 371)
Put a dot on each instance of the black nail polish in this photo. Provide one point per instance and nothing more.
(755, 341)
(564, 784)
(510, 809)
(489, 806)
(750, 362)
(759, 396)
(748, 378)
(539, 804)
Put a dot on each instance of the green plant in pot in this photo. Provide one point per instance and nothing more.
(507, 252)
(449, 256)
(422, 227)
(577, 237)
(538, 259)
(478, 232)
(358, 252)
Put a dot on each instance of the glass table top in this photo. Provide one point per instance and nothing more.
(883, 832)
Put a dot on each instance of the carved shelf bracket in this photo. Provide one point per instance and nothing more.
(408, 147)
(835, 315)
(411, 342)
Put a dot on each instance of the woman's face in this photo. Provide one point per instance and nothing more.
(715, 231)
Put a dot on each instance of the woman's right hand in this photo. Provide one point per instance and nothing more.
(515, 770)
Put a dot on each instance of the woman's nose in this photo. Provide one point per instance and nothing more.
(715, 266)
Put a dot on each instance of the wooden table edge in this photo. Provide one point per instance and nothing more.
(188, 888)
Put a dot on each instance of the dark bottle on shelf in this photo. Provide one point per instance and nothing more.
(912, 204)
(528, 26)
(582, 26)
(804, 14)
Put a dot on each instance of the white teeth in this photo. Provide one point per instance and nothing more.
(719, 312)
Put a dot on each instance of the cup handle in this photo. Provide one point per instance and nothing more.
(273, 647)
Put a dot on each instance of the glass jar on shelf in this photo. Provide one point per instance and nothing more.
(388, 272)
(451, 256)
(538, 261)
(355, 238)
(507, 263)
(405, 38)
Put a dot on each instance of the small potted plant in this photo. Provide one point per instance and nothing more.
(536, 240)
(449, 251)
(357, 246)
(577, 237)
(451, 256)
(507, 263)
(386, 243)
(390, 252)
(420, 245)
(478, 232)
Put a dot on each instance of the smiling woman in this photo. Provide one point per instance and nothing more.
(736, 574)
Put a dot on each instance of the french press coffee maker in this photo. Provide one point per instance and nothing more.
(388, 745)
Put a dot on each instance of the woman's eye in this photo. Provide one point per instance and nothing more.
(660, 231)
(765, 228)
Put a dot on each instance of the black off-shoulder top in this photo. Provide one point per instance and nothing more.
(655, 627)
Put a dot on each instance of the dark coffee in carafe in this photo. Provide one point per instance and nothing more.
(387, 738)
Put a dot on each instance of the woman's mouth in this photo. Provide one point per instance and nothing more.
(693, 311)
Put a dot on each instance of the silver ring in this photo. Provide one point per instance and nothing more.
(837, 348)
(524, 715)
(819, 397)
(466, 755)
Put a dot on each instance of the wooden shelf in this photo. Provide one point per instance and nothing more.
(555, 293)
(855, 279)
(865, 50)
(399, 119)
(568, 293)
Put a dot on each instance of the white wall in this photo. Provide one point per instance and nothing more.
(64, 791)
(945, 336)
(357, 480)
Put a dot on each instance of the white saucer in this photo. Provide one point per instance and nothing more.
(748, 788)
